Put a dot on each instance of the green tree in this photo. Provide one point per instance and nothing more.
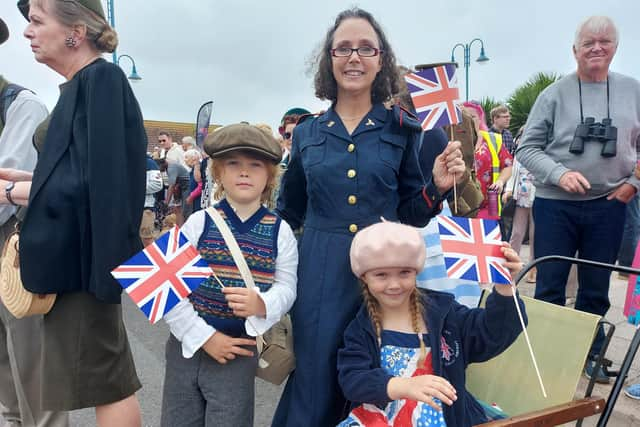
(522, 99)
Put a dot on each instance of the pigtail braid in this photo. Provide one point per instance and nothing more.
(372, 309)
(416, 307)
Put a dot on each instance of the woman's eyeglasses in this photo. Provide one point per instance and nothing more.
(363, 51)
(286, 135)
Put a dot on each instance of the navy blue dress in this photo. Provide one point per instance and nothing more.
(337, 184)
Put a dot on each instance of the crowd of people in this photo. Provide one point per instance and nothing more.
(326, 216)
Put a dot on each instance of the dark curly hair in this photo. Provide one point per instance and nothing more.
(386, 81)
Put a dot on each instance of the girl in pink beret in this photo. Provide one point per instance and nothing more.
(404, 355)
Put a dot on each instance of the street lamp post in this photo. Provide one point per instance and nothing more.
(466, 48)
(134, 73)
(134, 76)
(112, 22)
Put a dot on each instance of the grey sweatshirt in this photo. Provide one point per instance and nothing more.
(544, 149)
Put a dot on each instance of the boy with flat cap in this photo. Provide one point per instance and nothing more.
(211, 354)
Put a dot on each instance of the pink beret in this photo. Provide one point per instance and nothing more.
(387, 244)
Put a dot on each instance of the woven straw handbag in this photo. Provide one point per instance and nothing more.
(19, 301)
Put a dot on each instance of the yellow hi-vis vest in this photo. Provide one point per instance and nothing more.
(494, 142)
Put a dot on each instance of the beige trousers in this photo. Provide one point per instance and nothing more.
(20, 368)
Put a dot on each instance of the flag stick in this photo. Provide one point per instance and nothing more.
(259, 337)
(526, 337)
(455, 191)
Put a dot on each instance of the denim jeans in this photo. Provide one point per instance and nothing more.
(593, 229)
(631, 233)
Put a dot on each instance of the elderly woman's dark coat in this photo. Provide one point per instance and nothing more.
(88, 188)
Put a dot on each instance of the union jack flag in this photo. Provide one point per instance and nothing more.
(471, 249)
(434, 92)
(162, 274)
(400, 413)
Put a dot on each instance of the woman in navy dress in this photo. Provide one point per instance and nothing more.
(349, 166)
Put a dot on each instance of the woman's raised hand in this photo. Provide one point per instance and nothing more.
(448, 167)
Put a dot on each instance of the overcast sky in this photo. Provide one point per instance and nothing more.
(250, 57)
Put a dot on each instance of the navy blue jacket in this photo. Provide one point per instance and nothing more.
(468, 335)
(432, 143)
(389, 182)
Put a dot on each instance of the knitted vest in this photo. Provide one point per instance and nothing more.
(257, 238)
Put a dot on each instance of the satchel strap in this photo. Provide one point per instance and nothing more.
(238, 258)
(232, 244)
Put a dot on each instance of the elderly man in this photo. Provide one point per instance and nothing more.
(584, 174)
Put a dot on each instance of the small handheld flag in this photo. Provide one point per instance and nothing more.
(434, 92)
(162, 274)
(471, 249)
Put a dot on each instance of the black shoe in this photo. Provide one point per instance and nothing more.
(601, 377)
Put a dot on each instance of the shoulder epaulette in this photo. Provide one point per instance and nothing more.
(406, 118)
(304, 117)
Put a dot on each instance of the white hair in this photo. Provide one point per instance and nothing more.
(192, 154)
(597, 25)
(189, 140)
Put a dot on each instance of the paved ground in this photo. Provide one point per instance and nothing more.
(148, 346)
(147, 342)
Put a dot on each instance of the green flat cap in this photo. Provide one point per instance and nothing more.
(93, 5)
(242, 136)
(294, 111)
(4, 31)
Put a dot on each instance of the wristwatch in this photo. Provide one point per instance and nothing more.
(7, 193)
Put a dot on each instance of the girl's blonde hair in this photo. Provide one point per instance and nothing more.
(273, 171)
(416, 307)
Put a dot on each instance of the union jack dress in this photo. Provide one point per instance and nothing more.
(399, 357)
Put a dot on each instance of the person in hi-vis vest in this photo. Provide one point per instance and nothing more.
(492, 159)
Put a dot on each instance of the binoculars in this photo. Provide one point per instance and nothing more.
(603, 132)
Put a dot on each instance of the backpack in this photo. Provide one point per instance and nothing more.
(7, 96)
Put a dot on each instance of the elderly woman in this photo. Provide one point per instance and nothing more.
(85, 206)
(188, 143)
(192, 158)
(349, 166)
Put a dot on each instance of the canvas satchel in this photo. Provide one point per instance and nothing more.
(468, 189)
(19, 301)
(275, 347)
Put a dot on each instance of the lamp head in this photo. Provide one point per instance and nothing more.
(482, 58)
(134, 76)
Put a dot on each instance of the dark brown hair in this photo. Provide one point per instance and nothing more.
(386, 81)
(403, 96)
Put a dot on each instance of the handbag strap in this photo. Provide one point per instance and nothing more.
(232, 244)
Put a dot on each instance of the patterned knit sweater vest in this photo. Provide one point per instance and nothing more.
(257, 238)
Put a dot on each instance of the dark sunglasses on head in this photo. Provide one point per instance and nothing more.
(286, 135)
